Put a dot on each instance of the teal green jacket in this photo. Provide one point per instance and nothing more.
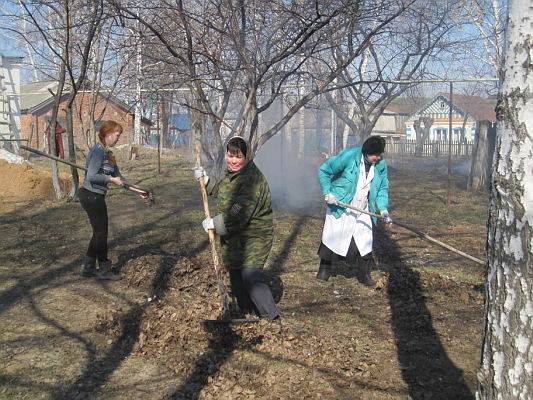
(339, 175)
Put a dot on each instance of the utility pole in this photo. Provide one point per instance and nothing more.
(333, 138)
(158, 117)
(450, 146)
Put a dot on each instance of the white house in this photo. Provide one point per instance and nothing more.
(467, 110)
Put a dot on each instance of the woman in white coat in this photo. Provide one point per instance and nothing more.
(356, 176)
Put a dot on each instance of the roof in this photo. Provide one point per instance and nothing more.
(10, 58)
(408, 104)
(36, 95)
(392, 109)
(476, 107)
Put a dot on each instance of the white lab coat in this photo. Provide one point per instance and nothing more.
(338, 232)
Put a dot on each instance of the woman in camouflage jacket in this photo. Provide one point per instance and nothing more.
(244, 224)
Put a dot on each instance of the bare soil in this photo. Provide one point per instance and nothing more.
(417, 335)
(23, 183)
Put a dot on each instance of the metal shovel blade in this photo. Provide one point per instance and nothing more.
(234, 321)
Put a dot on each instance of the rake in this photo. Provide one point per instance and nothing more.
(149, 200)
(222, 293)
(420, 234)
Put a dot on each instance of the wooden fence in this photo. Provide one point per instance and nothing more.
(439, 149)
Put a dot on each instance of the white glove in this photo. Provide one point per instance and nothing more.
(386, 217)
(330, 199)
(208, 224)
(199, 173)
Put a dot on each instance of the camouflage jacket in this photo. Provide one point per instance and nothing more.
(244, 217)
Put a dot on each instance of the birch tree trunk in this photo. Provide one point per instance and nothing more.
(138, 96)
(507, 354)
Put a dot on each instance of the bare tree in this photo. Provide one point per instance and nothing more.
(422, 128)
(35, 14)
(91, 18)
(507, 353)
(238, 57)
(69, 42)
(407, 50)
(482, 33)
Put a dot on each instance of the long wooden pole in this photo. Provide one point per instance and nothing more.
(223, 295)
(420, 234)
(126, 185)
(27, 148)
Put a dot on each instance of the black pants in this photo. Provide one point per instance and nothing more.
(252, 293)
(327, 256)
(95, 207)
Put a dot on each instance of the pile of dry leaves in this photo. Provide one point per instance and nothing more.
(181, 292)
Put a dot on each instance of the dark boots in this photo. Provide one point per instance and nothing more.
(104, 273)
(363, 272)
(324, 271)
(89, 267)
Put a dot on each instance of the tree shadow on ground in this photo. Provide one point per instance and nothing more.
(273, 274)
(425, 365)
(221, 345)
(278, 263)
(101, 362)
(25, 286)
(99, 370)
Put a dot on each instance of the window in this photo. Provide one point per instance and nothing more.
(440, 134)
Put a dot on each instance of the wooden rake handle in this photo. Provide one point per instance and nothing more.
(420, 234)
(216, 263)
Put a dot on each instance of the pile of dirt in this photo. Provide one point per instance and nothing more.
(21, 182)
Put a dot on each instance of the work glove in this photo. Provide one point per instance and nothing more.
(386, 217)
(199, 173)
(208, 224)
(330, 199)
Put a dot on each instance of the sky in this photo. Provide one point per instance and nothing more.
(6, 44)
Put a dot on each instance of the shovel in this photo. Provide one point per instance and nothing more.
(149, 200)
(222, 293)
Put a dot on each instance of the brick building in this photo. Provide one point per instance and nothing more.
(36, 109)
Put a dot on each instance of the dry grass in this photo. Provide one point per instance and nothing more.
(418, 335)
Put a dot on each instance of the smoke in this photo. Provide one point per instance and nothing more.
(460, 167)
(292, 180)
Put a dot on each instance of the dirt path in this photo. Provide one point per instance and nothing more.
(64, 337)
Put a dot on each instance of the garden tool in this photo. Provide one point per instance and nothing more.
(149, 200)
(222, 293)
(420, 234)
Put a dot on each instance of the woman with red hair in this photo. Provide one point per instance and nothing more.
(102, 169)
